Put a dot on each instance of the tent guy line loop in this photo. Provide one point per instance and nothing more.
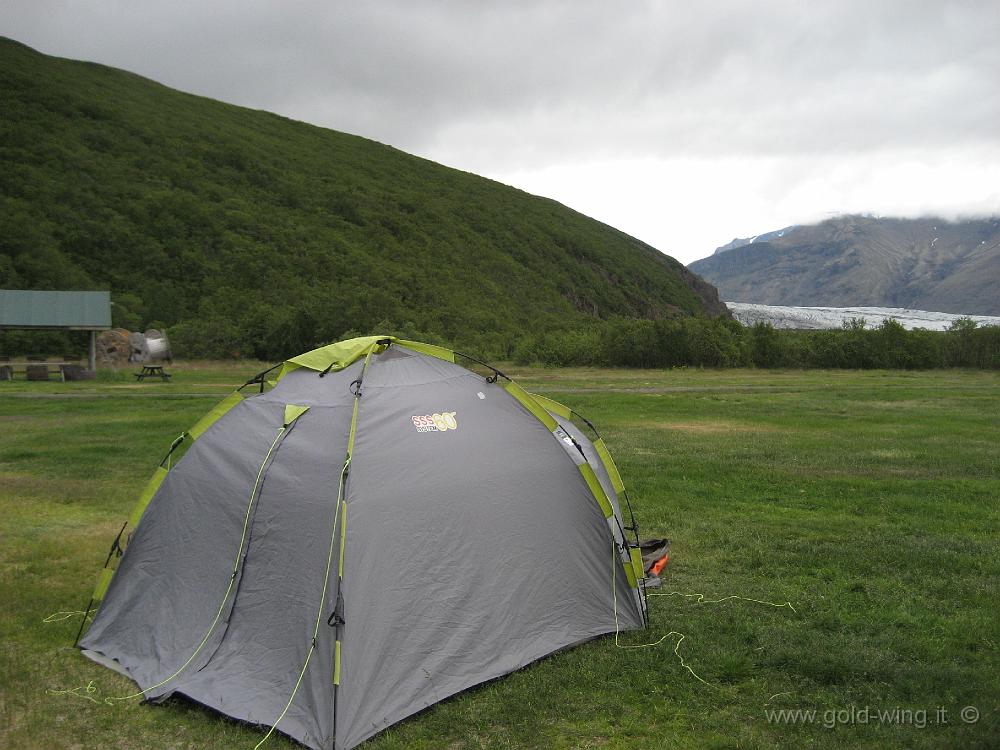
(778, 695)
(87, 693)
(65, 614)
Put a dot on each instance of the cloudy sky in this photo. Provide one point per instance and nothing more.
(683, 123)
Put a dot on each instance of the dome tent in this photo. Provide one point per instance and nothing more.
(379, 530)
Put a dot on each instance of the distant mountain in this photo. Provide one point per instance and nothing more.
(849, 261)
(245, 232)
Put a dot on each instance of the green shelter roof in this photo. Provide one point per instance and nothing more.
(21, 308)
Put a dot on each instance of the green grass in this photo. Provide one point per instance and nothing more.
(868, 500)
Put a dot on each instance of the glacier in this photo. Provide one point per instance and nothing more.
(787, 316)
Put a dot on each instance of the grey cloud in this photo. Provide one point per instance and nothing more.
(519, 83)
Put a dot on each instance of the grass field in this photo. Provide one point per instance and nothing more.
(869, 500)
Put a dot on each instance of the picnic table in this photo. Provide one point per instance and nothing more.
(152, 371)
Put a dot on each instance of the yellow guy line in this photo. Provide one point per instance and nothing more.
(65, 615)
(677, 646)
(700, 599)
(87, 690)
(319, 614)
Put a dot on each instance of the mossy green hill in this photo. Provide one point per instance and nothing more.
(245, 232)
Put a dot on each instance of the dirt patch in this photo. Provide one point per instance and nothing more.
(34, 486)
(890, 453)
(703, 427)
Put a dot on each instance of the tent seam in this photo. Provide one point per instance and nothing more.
(341, 503)
(254, 494)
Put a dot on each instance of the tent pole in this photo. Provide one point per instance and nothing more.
(83, 622)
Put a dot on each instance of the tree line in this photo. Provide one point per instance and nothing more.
(616, 342)
(702, 342)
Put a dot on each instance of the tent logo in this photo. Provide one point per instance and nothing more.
(441, 422)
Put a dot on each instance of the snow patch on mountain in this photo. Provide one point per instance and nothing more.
(743, 241)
